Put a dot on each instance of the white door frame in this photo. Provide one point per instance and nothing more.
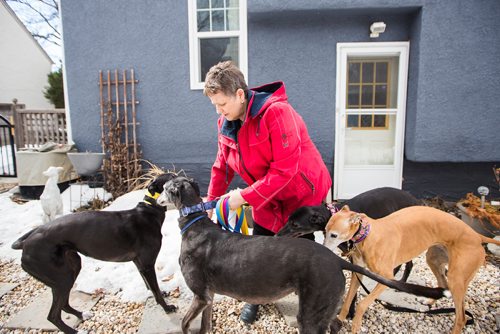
(400, 49)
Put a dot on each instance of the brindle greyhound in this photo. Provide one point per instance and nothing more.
(50, 252)
(216, 261)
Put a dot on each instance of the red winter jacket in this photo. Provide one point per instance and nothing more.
(273, 153)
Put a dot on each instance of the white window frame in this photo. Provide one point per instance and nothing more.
(195, 36)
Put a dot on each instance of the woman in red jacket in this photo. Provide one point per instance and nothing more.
(264, 140)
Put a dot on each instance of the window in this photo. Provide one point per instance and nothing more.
(368, 83)
(217, 32)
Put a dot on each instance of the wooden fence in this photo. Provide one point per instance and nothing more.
(34, 127)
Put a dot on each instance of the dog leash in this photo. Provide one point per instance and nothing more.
(188, 225)
(225, 216)
(397, 308)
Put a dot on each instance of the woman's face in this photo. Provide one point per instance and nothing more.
(231, 107)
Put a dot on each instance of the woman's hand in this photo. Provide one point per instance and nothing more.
(235, 199)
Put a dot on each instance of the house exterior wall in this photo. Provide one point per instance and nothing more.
(454, 74)
(23, 63)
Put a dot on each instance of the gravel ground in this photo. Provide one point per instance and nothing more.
(114, 316)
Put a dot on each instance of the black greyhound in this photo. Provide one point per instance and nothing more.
(50, 252)
(216, 261)
(375, 203)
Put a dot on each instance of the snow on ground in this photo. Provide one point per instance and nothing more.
(113, 277)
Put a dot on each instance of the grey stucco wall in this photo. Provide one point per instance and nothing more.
(457, 77)
(454, 76)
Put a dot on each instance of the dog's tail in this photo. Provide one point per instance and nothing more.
(18, 244)
(486, 240)
(419, 290)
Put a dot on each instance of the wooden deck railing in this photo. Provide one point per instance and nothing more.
(34, 127)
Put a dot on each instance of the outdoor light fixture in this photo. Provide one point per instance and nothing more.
(376, 29)
(483, 191)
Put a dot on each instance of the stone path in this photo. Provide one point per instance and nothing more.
(34, 316)
(154, 320)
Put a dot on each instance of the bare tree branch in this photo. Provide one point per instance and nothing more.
(46, 18)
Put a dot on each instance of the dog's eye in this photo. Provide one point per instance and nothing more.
(333, 235)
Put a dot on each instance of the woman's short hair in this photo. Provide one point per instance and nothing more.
(224, 77)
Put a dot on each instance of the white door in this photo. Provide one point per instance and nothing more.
(370, 116)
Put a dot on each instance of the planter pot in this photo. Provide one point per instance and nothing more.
(86, 163)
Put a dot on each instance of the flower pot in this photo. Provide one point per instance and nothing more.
(86, 163)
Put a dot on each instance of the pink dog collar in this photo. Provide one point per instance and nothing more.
(362, 232)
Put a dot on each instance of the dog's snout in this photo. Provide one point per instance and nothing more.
(162, 199)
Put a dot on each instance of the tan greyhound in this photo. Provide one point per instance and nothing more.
(382, 244)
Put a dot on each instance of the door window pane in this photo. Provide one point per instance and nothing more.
(381, 72)
(214, 50)
(366, 121)
(369, 147)
(352, 121)
(353, 97)
(367, 96)
(372, 84)
(354, 72)
(367, 72)
(381, 96)
(379, 121)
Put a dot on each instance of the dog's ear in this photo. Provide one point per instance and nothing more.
(355, 218)
(345, 208)
(195, 185)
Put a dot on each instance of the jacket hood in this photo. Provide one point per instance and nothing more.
(259, 98)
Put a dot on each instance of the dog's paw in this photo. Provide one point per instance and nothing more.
(170, 308)
(335, 326)
(429, 302)
(87, 315)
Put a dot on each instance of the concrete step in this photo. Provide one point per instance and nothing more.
(156, 321)
(34, 316)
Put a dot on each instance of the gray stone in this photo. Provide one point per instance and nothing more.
(6, 287)
(289, 308)
(156, 321)
(34, 315)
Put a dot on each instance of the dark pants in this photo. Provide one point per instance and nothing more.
(259, 230)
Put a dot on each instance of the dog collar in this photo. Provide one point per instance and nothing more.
(333, 209)
(200, 207)
(151, 199)
(154, 196)
(362, 231)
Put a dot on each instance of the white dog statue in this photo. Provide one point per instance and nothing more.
(51, 198)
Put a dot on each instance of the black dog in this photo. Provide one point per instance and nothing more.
(376, 203)
(216, 261)
(50, 252)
